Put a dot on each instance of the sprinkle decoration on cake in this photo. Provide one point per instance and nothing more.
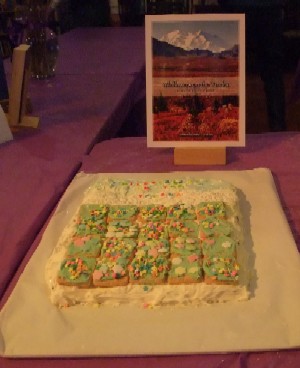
(165, 242)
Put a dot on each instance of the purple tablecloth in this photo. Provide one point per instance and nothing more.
(109, 50)
(68, 98)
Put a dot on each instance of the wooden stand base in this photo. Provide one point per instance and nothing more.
(26, 122)
(200, 156)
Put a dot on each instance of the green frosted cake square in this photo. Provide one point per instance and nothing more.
(76, 272)
(148, 270)
(93, 212)
(122, 212)
(185, 246)
(181, 212)
(90, 226)
(154, 246)
(213, 226)
(110, 273)
(183, 228)
(153, 231)
(222, 246)
(84, 246)
(152, 213)
(114, 248)
(208, 209)
(185, 269)
(218, 270)
(122, 229)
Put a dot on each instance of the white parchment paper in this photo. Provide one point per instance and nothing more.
(32, 326)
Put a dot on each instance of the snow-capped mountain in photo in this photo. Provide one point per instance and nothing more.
(198, 40)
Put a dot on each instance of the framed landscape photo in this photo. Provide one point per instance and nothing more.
(195, 80)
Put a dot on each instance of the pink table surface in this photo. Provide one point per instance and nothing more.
(278, 151)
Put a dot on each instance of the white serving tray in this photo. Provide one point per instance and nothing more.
(32, 327)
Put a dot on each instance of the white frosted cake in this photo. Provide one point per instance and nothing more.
(168, 242)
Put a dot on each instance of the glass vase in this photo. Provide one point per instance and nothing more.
(43, 43)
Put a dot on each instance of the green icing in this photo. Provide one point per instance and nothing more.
(122, 212)
(183, 228)
(88, 245)
(207, 209)
(148, 269)
(122, 228)
(186, 266)
(153, 231)
(107, 269)
(153, 252)
(222, 269)
(161, 245)
(93, 212)
(91, 227)
(213, 226)
(153, 212)
(114, 248)
(77, 270)
(185, 246)
(222, 246)
(180, 211)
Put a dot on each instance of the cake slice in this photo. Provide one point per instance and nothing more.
(159, 247)
(212, 226)
(186, 269)
(222, 247)
(93, 212)
(111, 273)
(76, 272)
(148, 270)
(149, 266)
(181, 212)
(185, 245)
(84, 246)
(121, 229)
(222, 271)
(156, 213)
(122, 212)
(114, 248)
(90, 226)
(151, 253)
(183, 228)
(208, 209)
(153, 230)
